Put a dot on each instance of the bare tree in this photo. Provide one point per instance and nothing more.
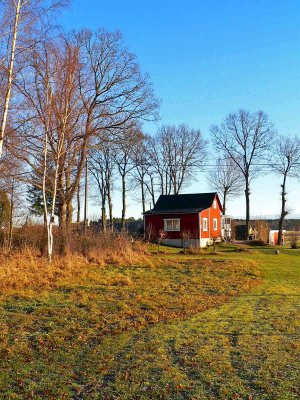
(142, 171)
(102, 167)
(22, 24)
(113, 91)
(226, 179)
(97, 87)
(186, 235)
(51, 103)
(160, 237)
(123, 158)
(285, 162)
(76, 90)
(245, 139)
(11, 182)
(177, 153)
(50, 217)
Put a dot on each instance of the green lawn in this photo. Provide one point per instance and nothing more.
(223, 326)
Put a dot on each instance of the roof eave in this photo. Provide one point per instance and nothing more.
(152, 212)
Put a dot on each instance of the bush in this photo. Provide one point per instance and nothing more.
(108, 248)
(101, 248)
(294, 241)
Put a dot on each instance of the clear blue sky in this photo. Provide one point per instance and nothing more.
(207, 58)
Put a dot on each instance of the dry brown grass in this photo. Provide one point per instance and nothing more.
(25, 268)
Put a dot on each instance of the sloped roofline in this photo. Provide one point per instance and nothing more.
(185, 210)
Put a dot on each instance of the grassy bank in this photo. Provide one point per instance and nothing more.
(222, 326)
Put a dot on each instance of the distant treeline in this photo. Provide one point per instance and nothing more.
(289, 224)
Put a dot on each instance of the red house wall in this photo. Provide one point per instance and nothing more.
(210, 214)
(188, 222)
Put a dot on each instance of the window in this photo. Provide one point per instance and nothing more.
(215, 203)
(172, 225)
(215, 223)
(204, 224)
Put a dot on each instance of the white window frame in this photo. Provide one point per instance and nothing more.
(172, 229)
(205, 224)
(215, 203)
(215, 224)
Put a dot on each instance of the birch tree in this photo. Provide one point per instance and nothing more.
(51, 102)
(22, 24)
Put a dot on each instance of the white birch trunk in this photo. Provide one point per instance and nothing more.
(49, 217)
(10, 75)
(49, 250)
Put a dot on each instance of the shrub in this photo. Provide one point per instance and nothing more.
(294, 241)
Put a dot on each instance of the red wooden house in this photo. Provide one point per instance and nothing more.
(191, 220)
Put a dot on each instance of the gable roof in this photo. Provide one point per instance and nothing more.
(183, 203)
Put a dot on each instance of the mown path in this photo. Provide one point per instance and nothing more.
(248, 348)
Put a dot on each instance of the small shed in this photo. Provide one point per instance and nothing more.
(273, 237)
(185, 220)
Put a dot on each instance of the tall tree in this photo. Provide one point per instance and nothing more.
(22, 24)
(113, 93)
(123, 159)
(226, 179)
(52, 108)
(141, 172)
(285, 162)
(12, 174)
(177, 153)
(96, 86)
(245, 138)
(102, 167)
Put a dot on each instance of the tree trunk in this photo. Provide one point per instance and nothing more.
(247, 196)
(10, 75)
(86, 194)
(78, 205)
(166, 183)
(63, 230)
(110, 208)
(103, 217)
(143, 195)
(152, 191)
(11, 211)
(69, 216)
(45, 219)
(224, 203)
(283, 212)
(123, 203)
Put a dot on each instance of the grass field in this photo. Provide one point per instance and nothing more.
(224, 326)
